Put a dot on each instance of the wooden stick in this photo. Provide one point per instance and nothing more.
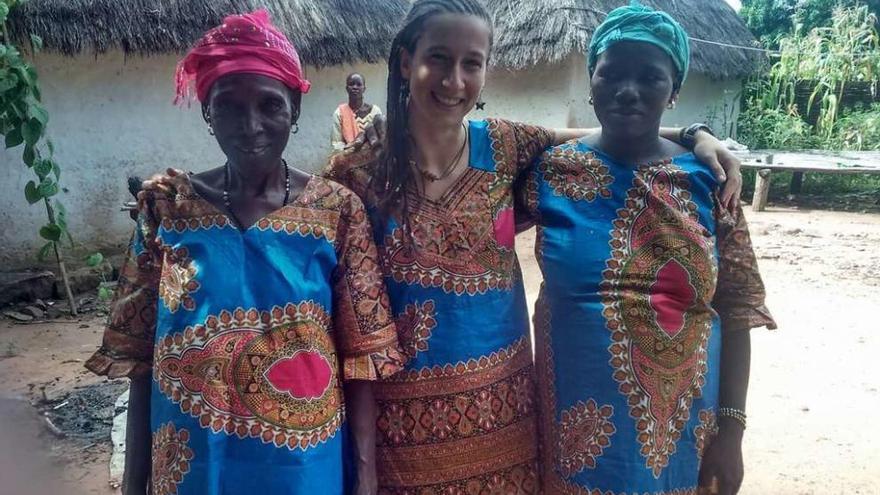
(64, 279)
(762, 189)
(46, 322)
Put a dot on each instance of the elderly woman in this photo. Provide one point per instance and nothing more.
(251, 298)
(650, 288)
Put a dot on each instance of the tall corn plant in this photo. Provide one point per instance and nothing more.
(829, 58)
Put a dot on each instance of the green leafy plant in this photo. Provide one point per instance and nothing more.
(97, 262)
(23, 120)
(857, 129)
(774, 128)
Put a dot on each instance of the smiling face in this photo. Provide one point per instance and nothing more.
(632, 84)
(447, 69)
(355, 85)
(251, 116)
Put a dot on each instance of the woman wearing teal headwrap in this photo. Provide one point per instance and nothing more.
(650, 288)
(639, 23)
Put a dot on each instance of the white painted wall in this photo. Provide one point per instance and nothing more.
(112, 117)
(705, 100)
(539, 96)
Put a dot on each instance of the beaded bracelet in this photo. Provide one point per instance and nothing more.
(736, 414)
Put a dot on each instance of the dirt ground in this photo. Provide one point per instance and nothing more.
(42, 365)
(813, 401)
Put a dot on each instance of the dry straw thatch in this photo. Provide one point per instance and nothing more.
(330, 32)
(528, 32)
(325, 32)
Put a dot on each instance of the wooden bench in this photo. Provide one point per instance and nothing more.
(800, 162)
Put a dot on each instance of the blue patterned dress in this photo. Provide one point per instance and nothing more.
(641, 270)
(460, 418)
(248, 336)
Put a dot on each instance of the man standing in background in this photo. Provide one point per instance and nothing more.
(350, 118)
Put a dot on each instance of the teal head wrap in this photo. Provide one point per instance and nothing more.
(639, 23)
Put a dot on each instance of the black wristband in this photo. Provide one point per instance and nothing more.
(687, 136)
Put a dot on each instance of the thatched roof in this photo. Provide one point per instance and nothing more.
(330, 32)
(325, 32)
(530, 31)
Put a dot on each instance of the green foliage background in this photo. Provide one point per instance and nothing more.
(771, 19)
(826, 46)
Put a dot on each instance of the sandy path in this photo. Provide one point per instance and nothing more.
(813, 396)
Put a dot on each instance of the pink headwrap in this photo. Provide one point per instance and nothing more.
(243, 43)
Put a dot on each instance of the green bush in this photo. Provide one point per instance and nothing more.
(772, 128)
(857, 129)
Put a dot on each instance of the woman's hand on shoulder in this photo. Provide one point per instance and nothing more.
(726, 167)
(162, 183)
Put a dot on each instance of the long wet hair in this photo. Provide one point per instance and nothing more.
(394, 173)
